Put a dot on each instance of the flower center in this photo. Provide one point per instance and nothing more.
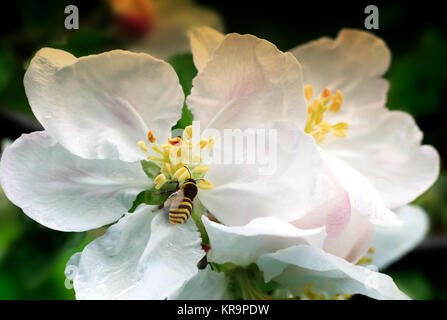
(179, 159)
(317, 108)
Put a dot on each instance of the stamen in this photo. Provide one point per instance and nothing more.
(180, 172)
(175, 141)
(325, 93)
(151, 137)
(205, 185)
(187, 133)
(166, 168)
(159, 181)
(200, 169)
(211, 142)
(177, 153)
(308, 92)
(143, 146)
(315, 114)
(157, 149)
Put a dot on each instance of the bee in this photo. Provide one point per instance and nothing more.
(180, 202)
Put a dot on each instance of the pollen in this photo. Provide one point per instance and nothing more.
(151, 137)
(179, 158)
(318, 108)
(175, 141)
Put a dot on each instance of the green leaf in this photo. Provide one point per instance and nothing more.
(151, 196)
(184, 67)
(150, 168)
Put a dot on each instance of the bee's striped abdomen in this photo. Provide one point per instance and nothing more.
(182, 213)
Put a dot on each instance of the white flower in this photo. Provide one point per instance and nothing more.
(348, 65)
(344, 78)
(163, 24)
(84, 170)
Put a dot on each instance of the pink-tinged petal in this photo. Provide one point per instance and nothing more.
(100, 106)
(363, 196)
(204, 41)
(247, 83)
(353, 241)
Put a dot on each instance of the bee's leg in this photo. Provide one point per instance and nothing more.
(166, 191)
(161, 206)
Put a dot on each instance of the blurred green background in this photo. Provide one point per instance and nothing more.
(32, 257)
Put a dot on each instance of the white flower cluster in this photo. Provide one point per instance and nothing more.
(347, 168)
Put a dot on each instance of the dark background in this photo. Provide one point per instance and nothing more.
(32, 257)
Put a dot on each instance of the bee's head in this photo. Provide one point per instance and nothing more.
(189, 180)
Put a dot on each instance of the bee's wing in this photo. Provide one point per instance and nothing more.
(175, 199)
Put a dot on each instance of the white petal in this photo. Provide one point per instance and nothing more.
(299, 266)
(100, 106)
(205, 285)
(388, 152)
(140, 257)
(63, 191)
(247, 83)
(204, 41)
(295, 183)
(353, 62)
(243, 245)
(364, 198)
(391, 244)
(174, 20)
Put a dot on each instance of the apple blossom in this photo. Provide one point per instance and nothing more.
(85, 171)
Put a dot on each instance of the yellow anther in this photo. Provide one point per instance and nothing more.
(187, 133)
(341, 126)
(315, 125)
(205, 185)
(211, 142)
(175, 154)
(166, 168)
(173, 157)
(151, 137)
(335, 106)
(166, 146)
(200, 169)
(364, 260)
(371, 250)
(325, 127)
(340, 133)
(183, 177)
(203, 143)
(143, 146)
(308, 92)
(339, 96)
(159, 181)
(180, 172)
